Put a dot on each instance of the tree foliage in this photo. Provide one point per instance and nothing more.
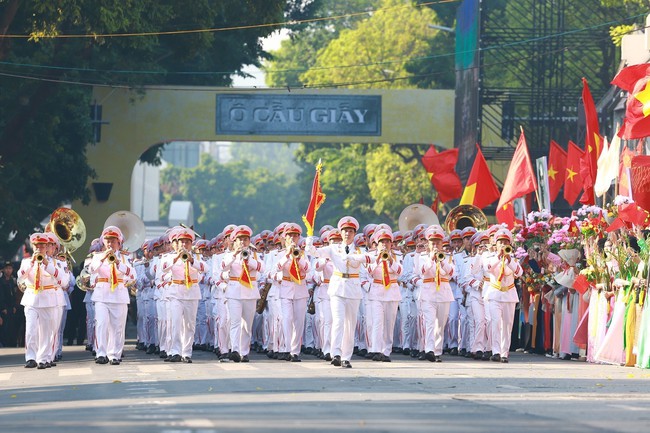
(47, 81)
(231, 193)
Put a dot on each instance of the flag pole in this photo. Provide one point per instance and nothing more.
(539, 201)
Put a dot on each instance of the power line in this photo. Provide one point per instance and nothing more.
(222, 29)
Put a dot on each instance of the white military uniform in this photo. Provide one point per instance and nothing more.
(435, 296)
(383, 297)
(293, 300)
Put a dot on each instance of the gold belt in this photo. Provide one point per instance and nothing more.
(237, 279)
(49, 287)
(326, 281)
(433, 280)
(106, 280)
(183, 281)
(501, 288)
(346, 275)
(382, 282)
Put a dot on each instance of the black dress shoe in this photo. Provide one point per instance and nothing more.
(102, 360)
(52, 364)
(454, 351)
(346, 364)
(438, 359)
(478, 355)
(187, 360)
(486, 356)
(270, 354)
(115, 362)
(151, 349)
(414, 353)
(462, 352)
(234, 356)
(385, 358)
(406, 351)
(422, 356)
(31, 364)
(430, 356)
(495, 358)
(41, 366)
(168, 358)
(176, 358)
(295, 358)
(363, 352)
(245, 358)
(327, 357)
(397, 350)
(376, 357)
(504, 360)
(89, 347)
(336, 362)
(163, 354)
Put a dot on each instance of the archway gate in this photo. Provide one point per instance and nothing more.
(127, 123)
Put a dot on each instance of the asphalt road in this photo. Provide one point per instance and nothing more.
(144, 394)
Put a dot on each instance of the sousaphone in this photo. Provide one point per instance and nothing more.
(68, 227)
(416, 214)
(466, 215)
(131, 226)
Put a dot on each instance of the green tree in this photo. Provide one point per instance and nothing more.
(46, 81)
(232, 193)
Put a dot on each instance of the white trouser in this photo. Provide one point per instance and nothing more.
(163, 325)
(182, 320)
(201, 328)
(468, 342)
(40, 332)
(502, 315)
(324, 312)
(141, 328)
(344, 322)
(435, 316)
(90, 323)
(209, 322)
(110, 323)
(480, 333)
(463, 324)
(151, 325)
(59, 337)
(383, 323)
(241, 313)
(407, 321)
(276, 339)
(364, 325)
(453, 324)
(310, 335)
(293, 323)
(420, 329)
(222, 325)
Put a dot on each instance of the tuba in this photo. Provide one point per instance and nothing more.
(466, 215)
(68, 226)
(416, 214)
(83, 280)
(131, 226)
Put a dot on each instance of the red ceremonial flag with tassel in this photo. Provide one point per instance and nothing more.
(520, 181)
(315, 202)
(480, 190)
(557, 158)
(441, 169)
(636, 80)
(593, 144)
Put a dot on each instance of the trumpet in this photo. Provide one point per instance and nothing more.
(295, 252)
(185, 256)
(440, 256)
(245, 253)
(39, 257)
(507, 250)
(384, 255)
(111, 258)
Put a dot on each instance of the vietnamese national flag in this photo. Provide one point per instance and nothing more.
(520, 180)
(593, 145)
(315, 202)
(636, 80)
(506, 214)
(556, 166)
(441, 169)
(572, 177)
(632, 213)
(480, 190)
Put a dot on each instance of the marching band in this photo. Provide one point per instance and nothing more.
(420, 292)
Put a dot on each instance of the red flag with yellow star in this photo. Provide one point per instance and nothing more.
(593, 144)
(556, 167)
(636, 80)
(441, 169)
(315, 202)
(481, 190)
(572, 177)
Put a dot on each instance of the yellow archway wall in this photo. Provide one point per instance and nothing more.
(133, 121)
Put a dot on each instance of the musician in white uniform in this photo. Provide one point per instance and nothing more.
(344, 288)
(110, 271)
(501, 294)
(240, 268)
(41, 278)
(183, 269)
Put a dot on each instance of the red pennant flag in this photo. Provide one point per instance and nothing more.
(615, 225)
(315, 202)
(636, 80)
(245, 277)
(632, 213)
(572, 177)
(480, 190)
(520, 180)
(506, 215)
(294, 271)
(441, 169)
(557, 158)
